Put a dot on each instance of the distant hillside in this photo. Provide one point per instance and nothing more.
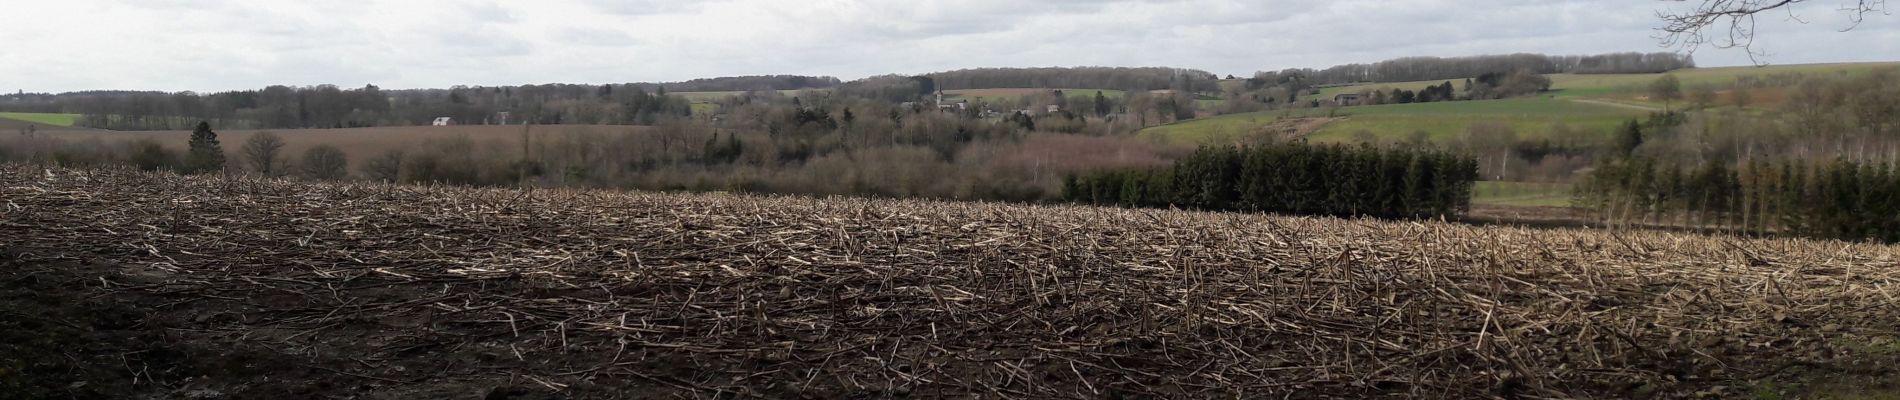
(747, 83)
(1440, 68)
(1584, 103)
(1118, 78)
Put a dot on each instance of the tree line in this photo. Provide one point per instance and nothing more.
(1823, 166)
(816, 143)
(1841, 199)
(327, 106)
(1410, 69)
(1297, 178)
(263, 154)
(1119, 78)
(1487, 86)
(745, 83)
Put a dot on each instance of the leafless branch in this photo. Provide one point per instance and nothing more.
(1691, 29)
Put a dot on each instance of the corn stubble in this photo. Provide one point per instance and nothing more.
(403, 290)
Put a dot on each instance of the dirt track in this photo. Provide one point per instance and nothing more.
(1616, 104)
(118, 284)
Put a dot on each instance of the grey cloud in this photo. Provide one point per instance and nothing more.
(645, 7)
(594, 37)
(200, 5)
(487, 12)
(476, 43)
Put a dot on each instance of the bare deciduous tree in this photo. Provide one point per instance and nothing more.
(1702, 96)
(325, 162)
(1665, 89)
(387, 168)
(262, 152)
(1734, 21)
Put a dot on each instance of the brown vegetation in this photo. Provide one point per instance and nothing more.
(156, 284)
(10, 127)
(356, 143)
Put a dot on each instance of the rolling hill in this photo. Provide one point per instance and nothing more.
(1588, 104)
(1584, 107)
(1628, 87)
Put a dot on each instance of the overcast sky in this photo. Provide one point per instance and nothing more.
(211, 45)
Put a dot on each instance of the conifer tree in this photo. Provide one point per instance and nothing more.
(1628, 138)
(206, 155)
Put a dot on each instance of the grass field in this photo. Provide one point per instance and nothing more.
(1603, 85)
(253, 288)
(43, 118)
(1521, 194)
(1211, 129)
(1530, 117)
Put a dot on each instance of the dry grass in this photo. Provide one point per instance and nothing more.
(412, 292)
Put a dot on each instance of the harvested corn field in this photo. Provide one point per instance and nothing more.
(126, 284)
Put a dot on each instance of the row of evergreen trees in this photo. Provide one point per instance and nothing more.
(1297, 178)
(1839, 200)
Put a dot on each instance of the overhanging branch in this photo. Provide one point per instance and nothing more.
(1691, 29)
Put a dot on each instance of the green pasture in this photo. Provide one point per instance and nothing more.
(1530, 117)
(43, 118)
(1219, 128)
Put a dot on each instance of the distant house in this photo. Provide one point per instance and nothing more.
(1348, 99)
(444, 121)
